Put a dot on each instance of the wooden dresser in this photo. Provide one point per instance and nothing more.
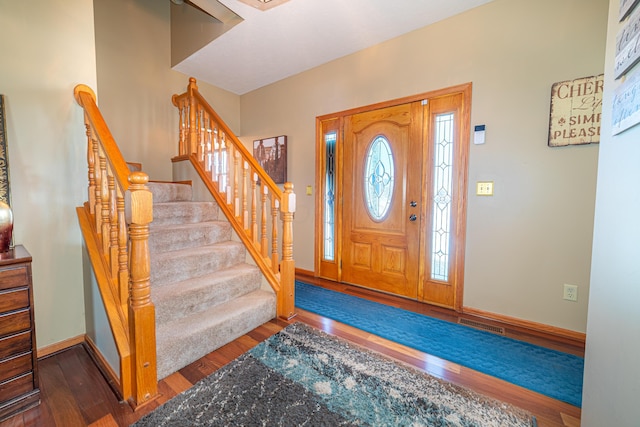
(18, 362)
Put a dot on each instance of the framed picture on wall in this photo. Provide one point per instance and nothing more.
(271, 153)
(576, 110)
(4, 157)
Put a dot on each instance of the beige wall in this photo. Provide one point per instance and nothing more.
(47, 48)
(534, 235)
(612, 373)
(523, 243)
(135, 85)
(135, 82)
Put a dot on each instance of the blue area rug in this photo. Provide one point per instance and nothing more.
(549, 372)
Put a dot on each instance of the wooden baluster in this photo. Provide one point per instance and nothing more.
(200, 131)
(207, 146)
(104, 194)
(221, 162)
(182, 144)
(275, 206)
(193, 141)
(187, 115)
(254, 209)
(123, 256)
(215, 169)
(91, 162)
(264, 239)
(141, 309)
(245, 211)
(228, 156)
(98, 197)
(224, 169)
(179, 104)
(113, 222)
(286, 299)
(236, 178)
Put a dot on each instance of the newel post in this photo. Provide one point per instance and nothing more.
(141, 309)
(286, 296)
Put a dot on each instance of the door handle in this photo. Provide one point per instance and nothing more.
(412, 217)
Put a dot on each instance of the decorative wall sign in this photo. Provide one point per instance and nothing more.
(626, 7)
(271, 153)
(576, 109)
(627, 45)
(5, 193)
(626, 105)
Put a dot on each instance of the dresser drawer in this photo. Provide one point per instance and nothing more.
(16, 321)
(16, 387)
(14, 277)
(15, 366)
(14, 299)
(18, 361)
(15, 344)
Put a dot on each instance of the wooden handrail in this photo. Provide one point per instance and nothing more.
(247, 196)
(115, 225)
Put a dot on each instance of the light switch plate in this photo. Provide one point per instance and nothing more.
(484, 188)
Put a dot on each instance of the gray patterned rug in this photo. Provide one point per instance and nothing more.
(302, 376)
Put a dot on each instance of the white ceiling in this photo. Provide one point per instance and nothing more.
(301, 34)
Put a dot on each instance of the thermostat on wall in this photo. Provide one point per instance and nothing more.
(478, 134)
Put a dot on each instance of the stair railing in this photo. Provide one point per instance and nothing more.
(246, 194)
(115, 226)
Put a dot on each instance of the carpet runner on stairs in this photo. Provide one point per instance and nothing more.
(205, 293)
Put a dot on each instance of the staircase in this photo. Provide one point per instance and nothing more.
(173, 278)
(205, 294)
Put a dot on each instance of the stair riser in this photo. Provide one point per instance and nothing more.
(162, 239)
(170, 192)
(170, 267)
(184, 212)
(186, 300)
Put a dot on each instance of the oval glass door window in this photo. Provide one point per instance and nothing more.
(379, 178)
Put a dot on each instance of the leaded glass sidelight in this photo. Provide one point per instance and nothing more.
(329, 196)
(378, 178)
(442, 195)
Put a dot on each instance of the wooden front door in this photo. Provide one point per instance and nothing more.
(391, 200)
(382, 199)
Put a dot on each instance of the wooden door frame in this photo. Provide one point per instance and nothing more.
(321, 268)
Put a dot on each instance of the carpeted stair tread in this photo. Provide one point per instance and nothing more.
(196, 294)
(184, 212)
(176, 266)
(172, 237)
(185, 340)
(170, 192)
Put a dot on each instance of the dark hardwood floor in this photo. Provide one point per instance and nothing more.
(74, 393)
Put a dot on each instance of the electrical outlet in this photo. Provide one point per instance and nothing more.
(570, 292)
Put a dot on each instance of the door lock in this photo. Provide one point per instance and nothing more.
(413, 217)
(413, 203)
